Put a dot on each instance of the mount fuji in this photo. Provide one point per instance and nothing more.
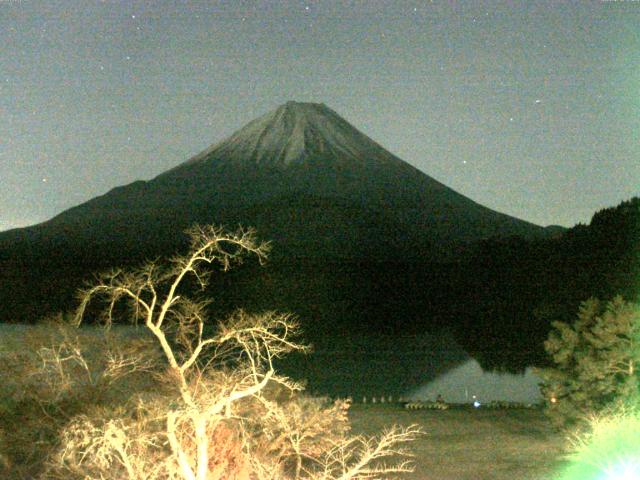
(301, 174)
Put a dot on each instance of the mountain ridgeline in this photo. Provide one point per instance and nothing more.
(362, 241)
(307, 180)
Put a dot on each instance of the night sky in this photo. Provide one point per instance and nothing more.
(530, 108)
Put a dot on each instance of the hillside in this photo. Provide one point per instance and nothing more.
(302, 175)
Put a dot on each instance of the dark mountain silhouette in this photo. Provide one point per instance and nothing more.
(306, 178)
(363, 242)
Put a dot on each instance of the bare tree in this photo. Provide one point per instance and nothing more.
(222, 411)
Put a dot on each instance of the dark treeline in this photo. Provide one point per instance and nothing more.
(498, 300)
(521, 287)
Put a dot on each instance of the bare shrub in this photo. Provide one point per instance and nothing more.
(608, 448)
(222, 412)
(54, 372)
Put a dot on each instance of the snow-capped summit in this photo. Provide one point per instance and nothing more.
(297, 133)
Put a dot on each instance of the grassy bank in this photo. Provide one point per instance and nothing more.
(472, 444)
(459, 444)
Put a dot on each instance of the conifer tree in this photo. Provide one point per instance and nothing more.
(596, 361)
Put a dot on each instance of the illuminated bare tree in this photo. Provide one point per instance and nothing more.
(222, 410)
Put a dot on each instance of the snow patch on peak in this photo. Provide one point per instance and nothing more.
(297, 133)
(302, 106)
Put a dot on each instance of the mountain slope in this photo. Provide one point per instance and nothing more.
(306, 178)
(297, 149)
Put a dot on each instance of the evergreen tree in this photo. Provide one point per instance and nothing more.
(596, 361)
